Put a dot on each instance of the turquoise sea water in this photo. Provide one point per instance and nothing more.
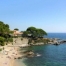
(51, 55)
(56, 35)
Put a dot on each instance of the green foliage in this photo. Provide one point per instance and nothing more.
(45, 41)
(0, 49)
(11, 32)
(41, 33)
(2, 41)
(25, 34)
(10, 39)
(34, 32)
(16, 29)
(4, 33)
(4, 28)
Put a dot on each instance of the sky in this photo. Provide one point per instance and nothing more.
(50, 15)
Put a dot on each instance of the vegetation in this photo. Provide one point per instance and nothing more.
(2, 39)
(4, 28)
(34, 32)
(4, 33)
(10, 39)
(45, 41)
(16, 29)
(35, 35)
(0, 49)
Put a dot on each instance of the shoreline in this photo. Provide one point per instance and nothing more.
(9, 55)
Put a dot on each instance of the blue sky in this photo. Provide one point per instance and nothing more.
(49, 15)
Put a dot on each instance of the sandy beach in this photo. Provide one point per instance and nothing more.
(8, 55)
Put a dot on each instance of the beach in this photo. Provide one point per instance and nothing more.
(7, 56)
(10, 53)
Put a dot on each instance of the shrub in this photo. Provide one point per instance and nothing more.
(0, 49)
(21, 39)
(2, 41)
(10, 39)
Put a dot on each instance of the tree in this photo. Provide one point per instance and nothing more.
(34, 32)
(25, 34)
(4, 28)
(41, 33)
(11, 32)
(16, 29)
(2, 41)
(4, 32)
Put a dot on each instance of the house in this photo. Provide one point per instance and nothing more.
(17, 33)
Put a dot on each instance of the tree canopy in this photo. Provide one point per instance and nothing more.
(34, 32)
(16, 29)
(4, 32)
(4, 28)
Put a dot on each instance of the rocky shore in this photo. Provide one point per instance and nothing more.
(43, 41)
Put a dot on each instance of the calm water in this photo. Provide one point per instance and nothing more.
(56, 35)
(51, 55)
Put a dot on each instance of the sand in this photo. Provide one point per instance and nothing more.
(8, 55)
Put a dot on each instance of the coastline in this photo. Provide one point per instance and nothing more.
(8, 55)
(11, 53)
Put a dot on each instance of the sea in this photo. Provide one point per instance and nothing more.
(50, 55)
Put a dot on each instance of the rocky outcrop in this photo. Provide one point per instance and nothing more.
(29, 53)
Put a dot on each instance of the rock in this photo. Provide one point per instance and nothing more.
(30, 53)
(19, 57)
